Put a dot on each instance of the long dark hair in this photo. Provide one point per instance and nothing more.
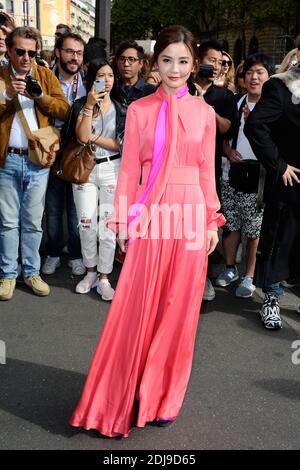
(93, 68)
(171, 35)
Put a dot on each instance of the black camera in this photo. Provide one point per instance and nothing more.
(39, 60)
(206, 71)
(3, 20)
(32, 87)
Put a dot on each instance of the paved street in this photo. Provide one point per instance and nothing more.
(244, 391)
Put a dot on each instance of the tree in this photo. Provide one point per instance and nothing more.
(145, 18)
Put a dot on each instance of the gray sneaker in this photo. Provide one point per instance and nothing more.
(246, 288)
(209, 291)
(227, 276)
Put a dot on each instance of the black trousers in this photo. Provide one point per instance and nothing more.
(278, 254)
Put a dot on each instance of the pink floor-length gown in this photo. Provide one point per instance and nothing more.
(146, 347)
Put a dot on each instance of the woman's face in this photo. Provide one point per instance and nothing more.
(175, 64)
(226, 61)
(106, 73)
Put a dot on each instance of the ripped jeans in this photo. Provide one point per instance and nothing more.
(94, 203)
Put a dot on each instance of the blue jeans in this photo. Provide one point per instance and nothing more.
(59, 190)
(273, 289)
(22, 201)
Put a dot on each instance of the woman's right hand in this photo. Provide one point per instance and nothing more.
(93, 98)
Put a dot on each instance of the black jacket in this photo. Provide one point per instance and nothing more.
(68, 133)
(273, 129)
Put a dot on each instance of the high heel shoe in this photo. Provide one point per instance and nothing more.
(165, 422)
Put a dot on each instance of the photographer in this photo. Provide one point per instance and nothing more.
(23, 184)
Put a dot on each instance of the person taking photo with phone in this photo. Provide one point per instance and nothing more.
(101, 120)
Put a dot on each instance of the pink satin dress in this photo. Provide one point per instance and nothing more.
(146, 347)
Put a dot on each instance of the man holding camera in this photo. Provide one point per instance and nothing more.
(23, 184)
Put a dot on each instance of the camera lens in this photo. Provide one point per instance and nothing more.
(32, 87)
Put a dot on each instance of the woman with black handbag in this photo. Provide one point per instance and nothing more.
(100, 121)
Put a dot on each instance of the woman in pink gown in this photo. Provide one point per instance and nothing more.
(146, 347)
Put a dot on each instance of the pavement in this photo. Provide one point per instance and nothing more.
(244, 391)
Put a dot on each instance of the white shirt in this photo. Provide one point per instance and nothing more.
(243, 146)
(18, 138)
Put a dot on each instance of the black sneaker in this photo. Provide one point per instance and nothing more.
(270, 312)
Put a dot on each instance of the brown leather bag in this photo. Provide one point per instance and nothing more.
(43, 143)
(76, 162)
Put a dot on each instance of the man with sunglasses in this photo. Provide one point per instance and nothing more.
(23, 184)
(60, 30)
(69, 52)
(131, 86)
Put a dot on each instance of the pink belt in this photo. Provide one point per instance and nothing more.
(178, 175)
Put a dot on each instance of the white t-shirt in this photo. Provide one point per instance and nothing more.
(243, 146)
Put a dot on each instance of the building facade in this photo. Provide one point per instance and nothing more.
(46, 14)
(83, 18)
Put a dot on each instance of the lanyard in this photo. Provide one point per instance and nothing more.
(75, 85)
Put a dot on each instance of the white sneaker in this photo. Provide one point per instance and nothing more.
(87, 283)
(209, 291)
(78, 268)
(50, 265)
(105, 290)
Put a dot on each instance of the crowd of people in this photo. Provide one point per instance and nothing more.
(179, 128)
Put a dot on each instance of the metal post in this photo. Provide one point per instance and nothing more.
(102, 20)
(38, 19)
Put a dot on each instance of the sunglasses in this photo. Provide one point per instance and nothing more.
(21, 52)
(227, 62)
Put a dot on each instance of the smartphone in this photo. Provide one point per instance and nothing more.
(99, 86)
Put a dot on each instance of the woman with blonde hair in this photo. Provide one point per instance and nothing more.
(226, 77)
(288, 61)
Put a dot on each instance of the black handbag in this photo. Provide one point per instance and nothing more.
(244, 176)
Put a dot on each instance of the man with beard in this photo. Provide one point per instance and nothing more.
(69, 52)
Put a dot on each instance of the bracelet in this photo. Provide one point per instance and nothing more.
(87, 114)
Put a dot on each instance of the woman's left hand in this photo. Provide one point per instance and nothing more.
(212, 241)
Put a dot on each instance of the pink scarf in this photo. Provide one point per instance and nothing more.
(164, 148)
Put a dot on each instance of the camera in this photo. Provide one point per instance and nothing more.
(3, 20)
(32, 87)
(39, 60)
(206, 71)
